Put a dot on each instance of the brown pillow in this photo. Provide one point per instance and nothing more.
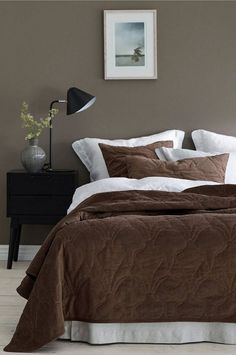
(115, 157)
(207, 168)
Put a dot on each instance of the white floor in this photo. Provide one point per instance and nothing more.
(11, 306)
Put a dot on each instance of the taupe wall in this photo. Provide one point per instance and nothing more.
(47, 47)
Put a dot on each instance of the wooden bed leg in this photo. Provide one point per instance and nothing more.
(17, 243)
(13, 236)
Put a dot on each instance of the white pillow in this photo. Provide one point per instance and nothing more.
(207, 141)
(90, 154)
(170, 154)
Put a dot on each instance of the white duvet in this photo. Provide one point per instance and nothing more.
(124, 184)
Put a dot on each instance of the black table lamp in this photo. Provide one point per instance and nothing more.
(77, 101)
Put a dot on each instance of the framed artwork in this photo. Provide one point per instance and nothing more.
(130, 44)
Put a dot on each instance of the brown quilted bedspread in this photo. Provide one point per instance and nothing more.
(136, 256)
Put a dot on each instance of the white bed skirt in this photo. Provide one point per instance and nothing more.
(176, 332)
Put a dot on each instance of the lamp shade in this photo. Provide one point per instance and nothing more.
(78, 100)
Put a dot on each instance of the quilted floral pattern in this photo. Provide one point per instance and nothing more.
(135, 256)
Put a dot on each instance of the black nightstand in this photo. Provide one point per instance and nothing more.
(38, 198)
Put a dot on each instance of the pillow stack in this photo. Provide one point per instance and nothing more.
(89, 152)
(161, 155)
(207, 144)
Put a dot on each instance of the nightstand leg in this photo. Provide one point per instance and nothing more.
(13, 235)
(17, 243)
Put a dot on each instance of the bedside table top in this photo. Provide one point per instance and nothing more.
(43, 172)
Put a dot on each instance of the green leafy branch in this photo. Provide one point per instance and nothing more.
(32, 126)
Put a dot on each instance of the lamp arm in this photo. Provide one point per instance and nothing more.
(49, 167)
(56, 101)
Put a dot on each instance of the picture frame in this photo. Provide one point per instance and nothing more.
(130, 44)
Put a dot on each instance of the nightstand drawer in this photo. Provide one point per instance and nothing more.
(41, 184)
(38, 205)
(39, 198)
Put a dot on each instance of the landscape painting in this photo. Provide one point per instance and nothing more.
(129, 44)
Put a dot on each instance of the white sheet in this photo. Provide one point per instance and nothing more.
(156, 333)
(124, 184)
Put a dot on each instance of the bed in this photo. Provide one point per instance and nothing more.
(148, 259)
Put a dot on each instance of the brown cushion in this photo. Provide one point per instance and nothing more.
(115, 156)
(207, 168)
